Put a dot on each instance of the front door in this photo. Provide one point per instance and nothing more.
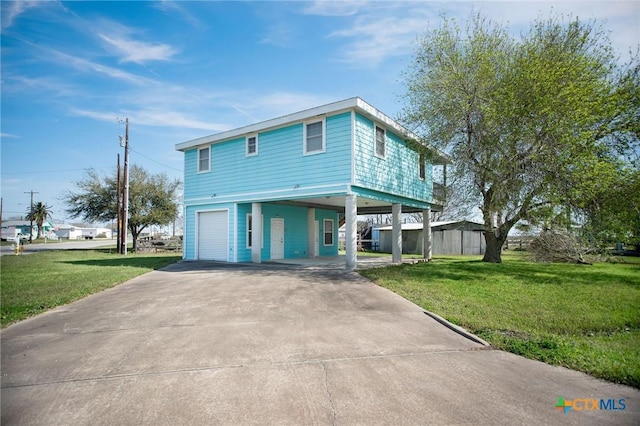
(277, 238)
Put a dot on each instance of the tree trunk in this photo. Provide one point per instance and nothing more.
(134, 236)
(493, 249)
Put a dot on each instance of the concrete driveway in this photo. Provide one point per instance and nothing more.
(208, 343)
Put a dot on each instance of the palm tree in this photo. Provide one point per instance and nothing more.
(39, 214)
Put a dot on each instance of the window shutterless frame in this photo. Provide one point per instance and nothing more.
(252, 145)
(327, 232)
(204, 159)
(380, 136)
(313, 137)
(250, 231)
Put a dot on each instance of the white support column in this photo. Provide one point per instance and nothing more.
(396, 233)
(311, 233)
(351, 231)
(256, 232)
(426, 234)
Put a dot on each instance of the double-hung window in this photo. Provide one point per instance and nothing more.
(380, 142)
(249, 230)
(250, 233)
(327, 225)
(252, 145)
(204, 159)
(314, 139)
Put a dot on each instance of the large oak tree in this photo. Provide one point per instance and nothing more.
(153, 199)
(526, 120)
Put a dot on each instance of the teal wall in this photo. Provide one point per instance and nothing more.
(395, 174)
(281, 171)
(279, 166)
(295, 231)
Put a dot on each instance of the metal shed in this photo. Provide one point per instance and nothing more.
(448, 238)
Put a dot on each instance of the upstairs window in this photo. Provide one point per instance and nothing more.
(314, 137)
(421, 165)
(252, 145)
(380, 142)
(327, 225)
(204, 159)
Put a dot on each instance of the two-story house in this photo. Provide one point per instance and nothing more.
(280, 188)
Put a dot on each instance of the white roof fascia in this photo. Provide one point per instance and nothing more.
(345, 105)
(271, 124)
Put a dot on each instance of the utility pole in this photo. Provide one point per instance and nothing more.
(31, 216)
(118, 210)
(125, 202)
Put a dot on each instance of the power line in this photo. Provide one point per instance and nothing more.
(151, 159)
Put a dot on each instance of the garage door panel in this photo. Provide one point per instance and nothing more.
(213, 235)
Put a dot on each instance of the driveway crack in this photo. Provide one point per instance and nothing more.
(329, 396)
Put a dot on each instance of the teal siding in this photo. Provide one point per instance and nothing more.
(295, 231)
(320, 216)
(279, 165)
(397, 173)
(281, 171)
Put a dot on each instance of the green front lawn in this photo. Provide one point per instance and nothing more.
(584, 317)
(34, 283)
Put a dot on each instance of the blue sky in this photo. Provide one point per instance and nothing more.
(181, 70)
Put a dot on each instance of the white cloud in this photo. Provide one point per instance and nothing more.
(620, 18)
(173, 7)
(389, 29)
(138, 51)
(334, 8)
(279, 35)
(9, 136)
(15, 83)
(14, 9)
(154, 118)
(89, 66)
(373, 40)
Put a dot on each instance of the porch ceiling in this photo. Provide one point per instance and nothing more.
(336, 202)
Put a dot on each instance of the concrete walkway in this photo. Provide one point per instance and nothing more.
(210, 343)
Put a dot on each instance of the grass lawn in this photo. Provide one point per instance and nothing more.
(34, 283)
(584, 317)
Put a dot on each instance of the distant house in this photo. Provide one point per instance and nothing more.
(14, 227)
(448, 238)
(281, 188)
(71, 232)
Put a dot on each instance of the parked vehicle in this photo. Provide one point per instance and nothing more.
(22, 237)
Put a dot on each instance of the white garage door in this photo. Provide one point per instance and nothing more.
(213, 235)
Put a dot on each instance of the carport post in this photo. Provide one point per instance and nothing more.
(396, 233)
(426, 234)
(256, 232)
(351, 230)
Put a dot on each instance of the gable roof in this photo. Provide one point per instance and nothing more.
(354, 103)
